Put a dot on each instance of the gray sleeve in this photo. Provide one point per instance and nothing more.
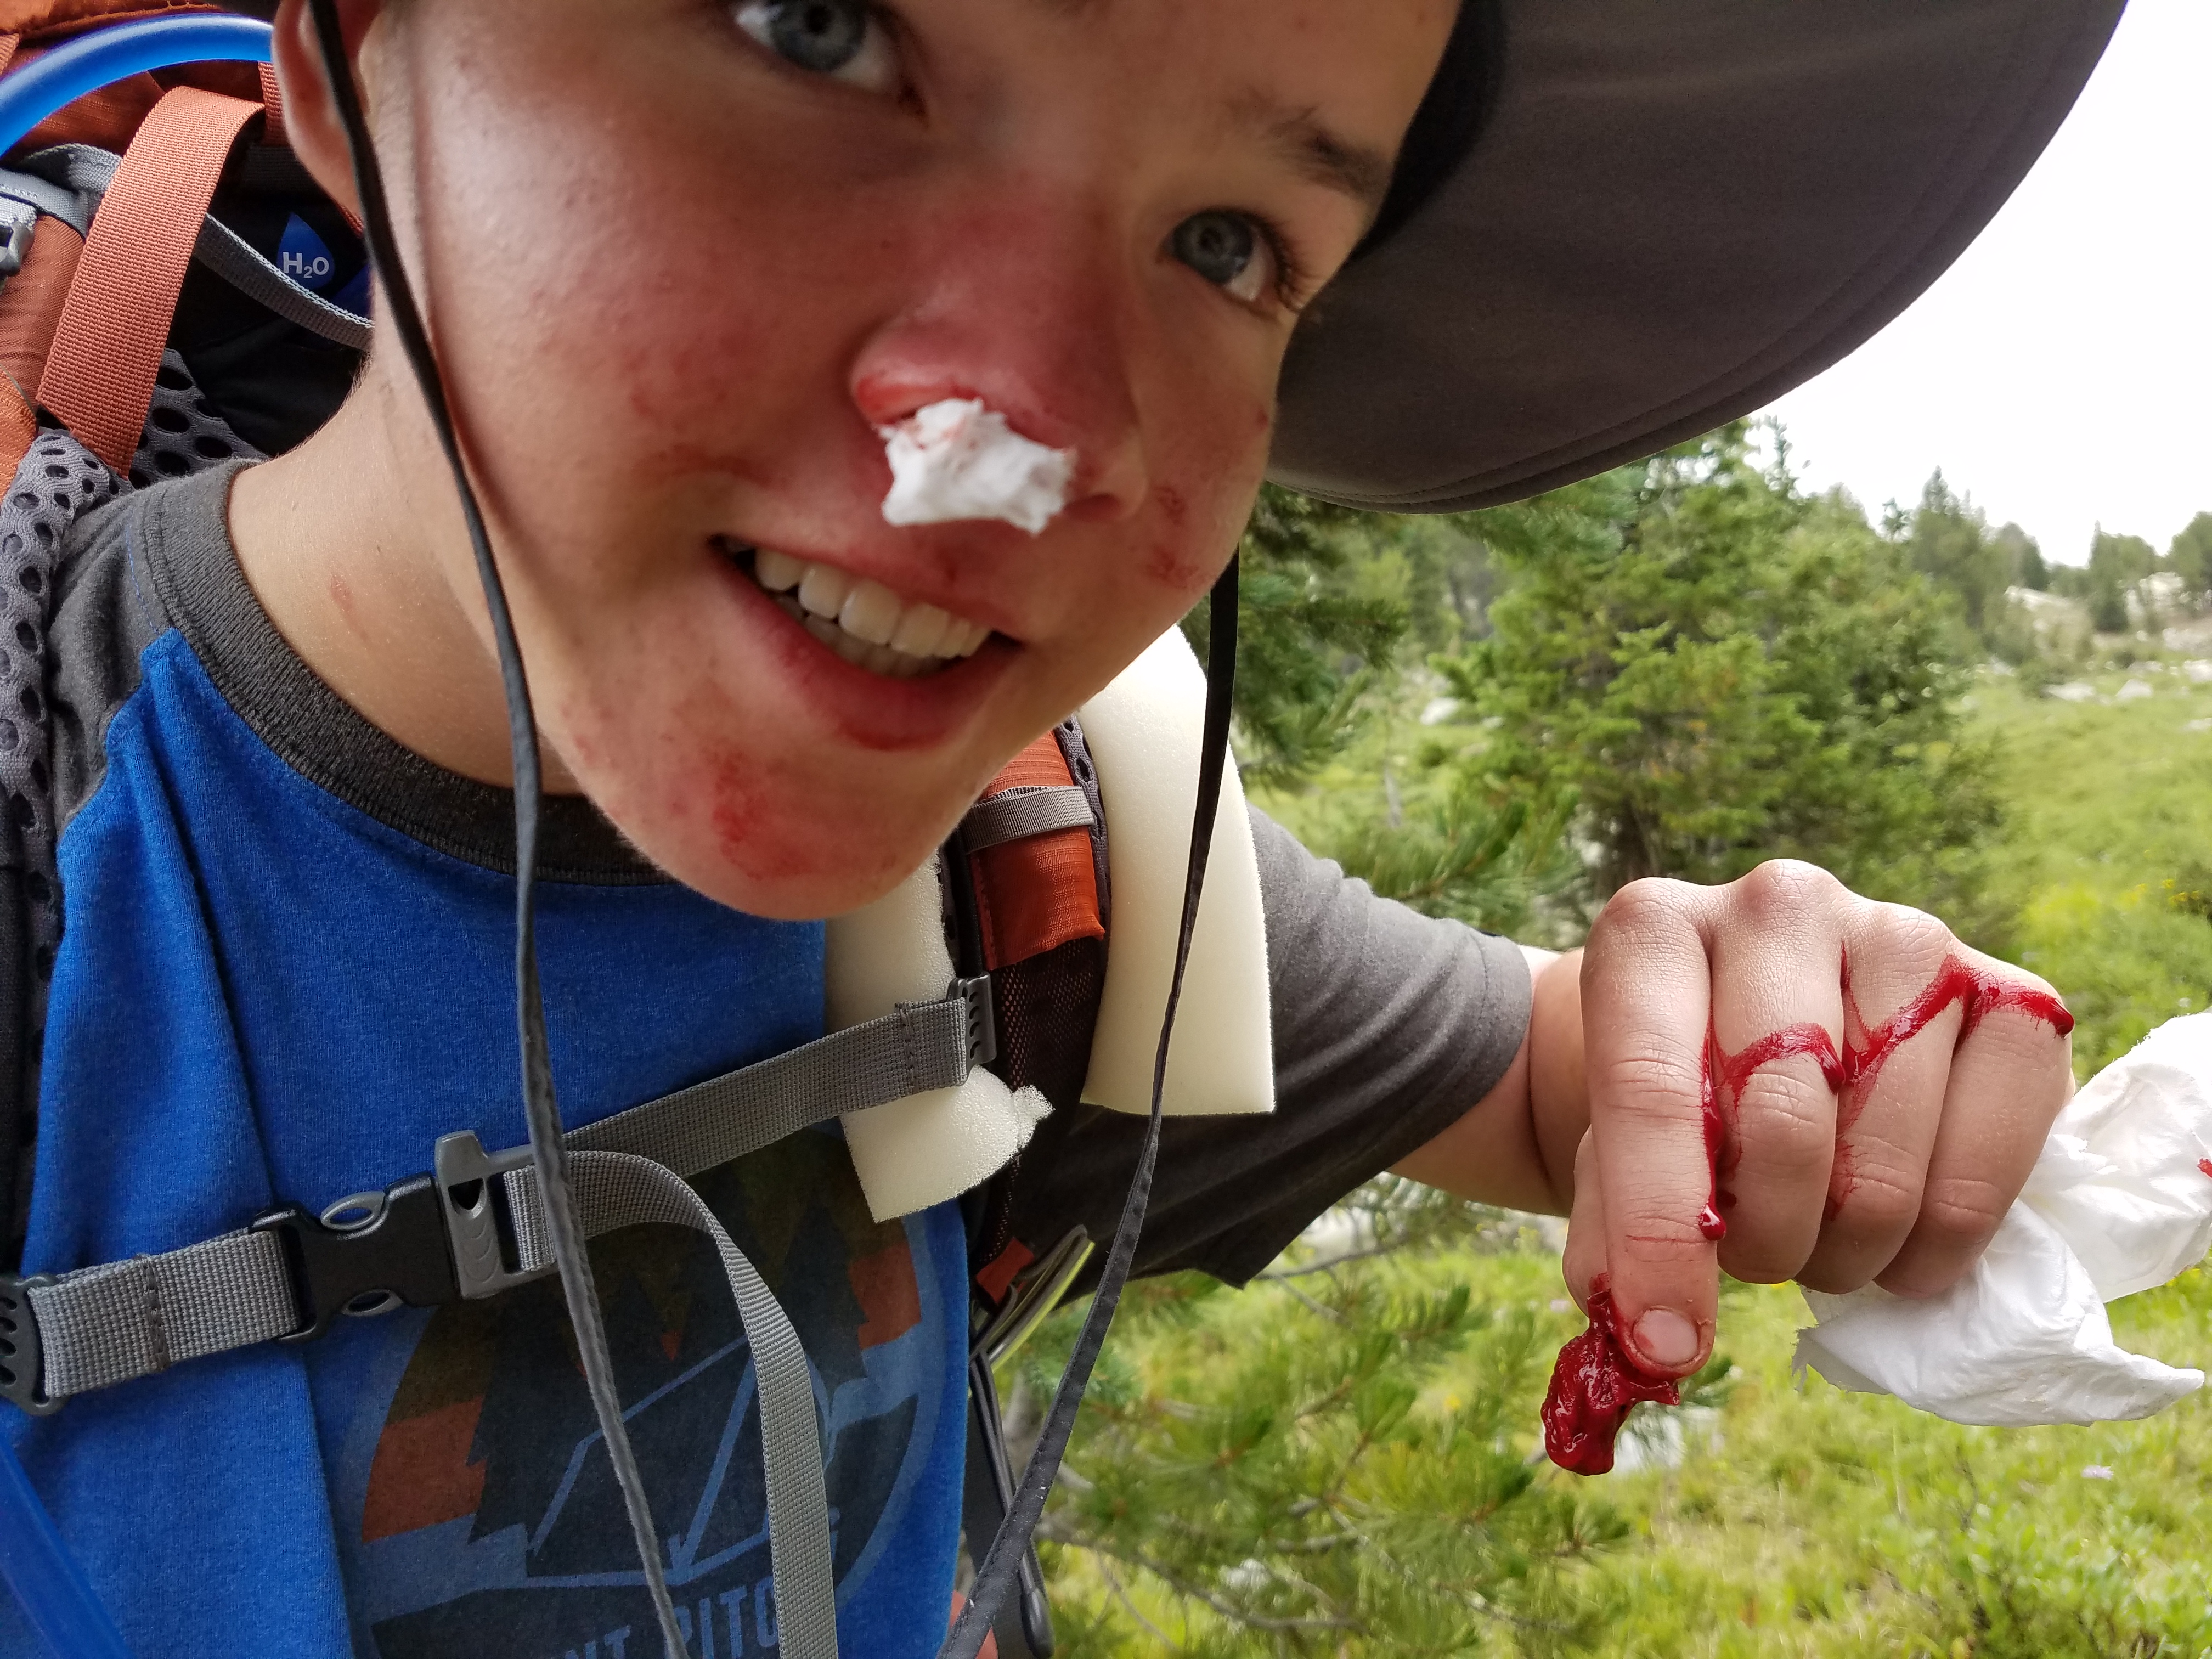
(1387, 1026)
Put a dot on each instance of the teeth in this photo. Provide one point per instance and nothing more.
(922, 630)
(864, 621)
(824, 590)
(871, 610)
(777, 572)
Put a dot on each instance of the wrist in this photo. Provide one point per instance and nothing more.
(1558, 1094)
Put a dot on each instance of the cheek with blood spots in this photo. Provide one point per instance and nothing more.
(1168, 567)
(1173, 507)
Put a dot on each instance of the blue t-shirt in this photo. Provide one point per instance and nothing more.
(287, 970)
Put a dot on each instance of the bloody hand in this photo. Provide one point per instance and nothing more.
(1889, 1094)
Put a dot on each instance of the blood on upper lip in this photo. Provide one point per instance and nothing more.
(1596, 1382)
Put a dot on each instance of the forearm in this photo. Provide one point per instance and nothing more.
(1516, 1146)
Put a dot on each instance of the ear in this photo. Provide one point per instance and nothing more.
(311, 117)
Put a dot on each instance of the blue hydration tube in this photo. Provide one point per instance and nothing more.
(59, 1604)
(48, 1584)
(92, 61)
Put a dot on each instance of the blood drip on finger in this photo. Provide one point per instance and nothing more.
(1592, 1385)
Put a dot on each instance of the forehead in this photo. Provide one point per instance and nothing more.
(1329, 85)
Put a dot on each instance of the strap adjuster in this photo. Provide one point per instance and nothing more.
(982, 1018)
(470, 1199)
(364, 1255)
(22, 1358)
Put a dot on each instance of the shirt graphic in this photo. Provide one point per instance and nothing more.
(479, 1505)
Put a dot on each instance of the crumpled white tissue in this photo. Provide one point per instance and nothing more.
(2119, 1201)
(958, 460)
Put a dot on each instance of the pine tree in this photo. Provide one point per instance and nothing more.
(1722, 671)
(2191, 558)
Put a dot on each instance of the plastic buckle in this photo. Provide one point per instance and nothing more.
(470, 1198)
(364, 1255)
(23, 1356)
(982, 1018)
(19, 222)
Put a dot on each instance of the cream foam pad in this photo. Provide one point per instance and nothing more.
(1145, 731)
(933, 1146)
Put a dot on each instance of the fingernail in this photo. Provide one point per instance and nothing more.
(1666, 1341)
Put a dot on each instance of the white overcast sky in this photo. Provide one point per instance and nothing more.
(2061, 372)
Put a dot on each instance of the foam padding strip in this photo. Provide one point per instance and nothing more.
(1145, 731)
(932, 1146)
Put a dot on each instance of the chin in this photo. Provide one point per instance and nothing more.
(793, 870)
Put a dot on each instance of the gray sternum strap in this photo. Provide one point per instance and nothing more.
(128, 1319)
(1017, 814)
(429, 1240)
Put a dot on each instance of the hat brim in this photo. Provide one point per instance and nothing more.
(1678, 210)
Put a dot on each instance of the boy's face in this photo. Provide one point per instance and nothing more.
(683, 258)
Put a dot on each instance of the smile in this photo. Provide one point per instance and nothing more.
(863, 621)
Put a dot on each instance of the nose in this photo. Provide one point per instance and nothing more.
(1021, 302)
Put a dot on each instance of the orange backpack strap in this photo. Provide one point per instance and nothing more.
(272, 100)
(1036, 885)
(99, 376)
(8, 44)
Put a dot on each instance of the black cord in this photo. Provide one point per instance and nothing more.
(542, 1110)
(994, 1573)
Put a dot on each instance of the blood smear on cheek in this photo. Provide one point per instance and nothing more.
(1592, 1385)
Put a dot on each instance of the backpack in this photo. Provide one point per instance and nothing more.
(146, 335)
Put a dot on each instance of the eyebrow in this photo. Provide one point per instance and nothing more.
(1321, 154)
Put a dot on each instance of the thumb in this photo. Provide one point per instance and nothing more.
(1654, 1323)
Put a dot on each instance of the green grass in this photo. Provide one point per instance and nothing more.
(1819, 1523)
(2109, 853)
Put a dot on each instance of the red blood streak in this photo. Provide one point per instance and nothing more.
(1593, 1386)
(1596, 1382)
(2205, 1164)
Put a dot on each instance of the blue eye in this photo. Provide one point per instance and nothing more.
(841, 39)
(1228, 250)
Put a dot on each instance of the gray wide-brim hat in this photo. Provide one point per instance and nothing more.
(1674, 212)
(1667, 214)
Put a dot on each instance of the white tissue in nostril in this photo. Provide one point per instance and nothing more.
(956, 460)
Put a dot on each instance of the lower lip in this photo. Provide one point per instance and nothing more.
(870, 710)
